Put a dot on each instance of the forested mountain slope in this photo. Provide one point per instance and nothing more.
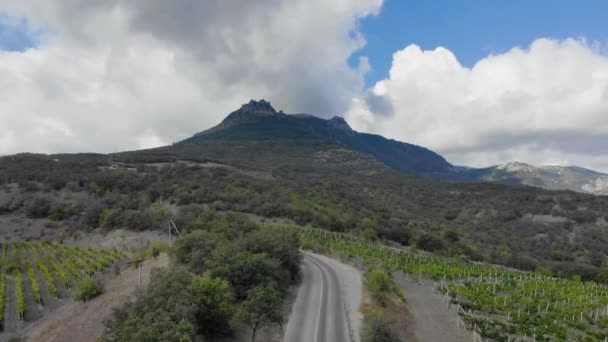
(315, 175)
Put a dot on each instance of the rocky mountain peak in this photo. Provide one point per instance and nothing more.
(255, 106)
(339, 123)
(251, 109)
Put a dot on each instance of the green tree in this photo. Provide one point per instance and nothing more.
(244, 270)
(195, 248)
(155, 326)
(262, 308)
(165, 311)
(278, 243)
(214, 305)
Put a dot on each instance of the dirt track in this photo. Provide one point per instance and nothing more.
(433, 321)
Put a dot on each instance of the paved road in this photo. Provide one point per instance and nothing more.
(318, 314)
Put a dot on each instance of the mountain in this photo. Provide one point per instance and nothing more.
(305, 170)
(548, 176)
(256, 136)
(258, 121)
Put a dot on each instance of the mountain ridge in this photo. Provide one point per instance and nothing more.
(258, 120)
(258, 136)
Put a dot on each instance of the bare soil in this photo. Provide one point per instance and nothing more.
(121, 239)
(14, 227)
(83, 322)
(431, 318)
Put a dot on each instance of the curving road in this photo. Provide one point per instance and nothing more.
(318, 315)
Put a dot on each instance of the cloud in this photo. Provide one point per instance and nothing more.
(117, 74)
(544, 104)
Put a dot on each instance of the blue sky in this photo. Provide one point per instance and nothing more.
(473, 29)
(16, 34)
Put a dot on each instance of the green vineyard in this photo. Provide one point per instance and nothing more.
(496, 303)
(43, 271)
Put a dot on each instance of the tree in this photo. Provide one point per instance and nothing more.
(163, 312)
(245, 270)
(262, 308)
(280, 244)
(213, 301)
(195, 247)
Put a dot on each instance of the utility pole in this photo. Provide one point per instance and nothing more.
(139, 263)
(173, 226)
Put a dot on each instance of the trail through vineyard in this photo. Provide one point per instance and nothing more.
(11, 318)
(83, 322)
(433, 321)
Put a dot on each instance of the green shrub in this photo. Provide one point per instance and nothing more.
(378, 327)
(88, 288)
(381, 285)
(153, 250)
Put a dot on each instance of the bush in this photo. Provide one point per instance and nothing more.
(378, 327)
(430, 243)
(92, 214)
(38, 207)
(88, 288)
(110, 218)
(381, 285)
(153, 250)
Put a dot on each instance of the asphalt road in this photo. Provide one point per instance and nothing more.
(318, 314)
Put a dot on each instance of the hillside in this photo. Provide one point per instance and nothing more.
(311, 171)
(277, 139)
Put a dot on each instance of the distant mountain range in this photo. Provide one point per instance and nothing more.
(548, 176)
(258, 136)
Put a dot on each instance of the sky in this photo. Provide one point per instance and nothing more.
(473, 29)
(480, 82)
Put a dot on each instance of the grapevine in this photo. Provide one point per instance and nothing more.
(2, 299)
(19, 294)
(31, 272)
(497, 303)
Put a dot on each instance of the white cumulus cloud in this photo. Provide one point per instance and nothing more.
(120, 74)
(546, 104)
